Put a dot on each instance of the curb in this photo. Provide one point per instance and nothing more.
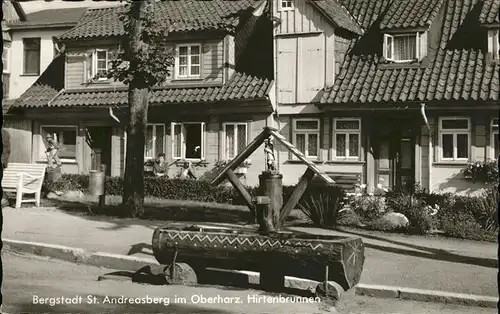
(130, 263)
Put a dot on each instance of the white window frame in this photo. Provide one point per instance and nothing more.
(493, 124)
(306, 132)
(189, 65)
(95, 63)
(235, 145)
(42, 149)
(493, 44)
(183, 141)
(388, 37)
(287, 8)
(347, 133)
(155, 153)
(454, 132)
(6, 56)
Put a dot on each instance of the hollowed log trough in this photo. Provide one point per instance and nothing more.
(315, 257)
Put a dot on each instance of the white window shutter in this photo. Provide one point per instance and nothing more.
(417, 45)
(389, 47)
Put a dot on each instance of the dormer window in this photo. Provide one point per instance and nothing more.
(493, 46)
(286, 5)
(188, 61)
(405, 47)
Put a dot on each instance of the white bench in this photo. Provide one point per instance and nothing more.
(24, 179)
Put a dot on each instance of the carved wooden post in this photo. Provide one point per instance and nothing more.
(270, 185)
(272, 276)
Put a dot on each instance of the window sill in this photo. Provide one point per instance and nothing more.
(459, 163)
(194, 162)
(400, 65)
(295, 161)
(345, 161)
(63, 161)
(183, 79)
(29, 75)
(107, 82)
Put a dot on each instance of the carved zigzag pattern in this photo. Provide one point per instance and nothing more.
(242, 241)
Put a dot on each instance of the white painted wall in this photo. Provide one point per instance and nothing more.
(19, 83)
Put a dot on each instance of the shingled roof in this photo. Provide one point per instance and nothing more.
(239, 87)
(49, 18)
(46, 87)
(410, 14)
(176, 16)
(457, 70)
(490, 12)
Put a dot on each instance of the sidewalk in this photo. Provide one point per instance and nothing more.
(392, 260)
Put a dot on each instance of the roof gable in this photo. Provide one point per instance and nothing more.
(337, 14)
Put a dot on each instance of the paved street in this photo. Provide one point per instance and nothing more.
(29, 277)
(414, 262)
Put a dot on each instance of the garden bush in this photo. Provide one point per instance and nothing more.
(349, 218)
(368, 207)
(322, 204)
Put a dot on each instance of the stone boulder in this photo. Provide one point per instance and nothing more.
(73, 195)
(396, 220)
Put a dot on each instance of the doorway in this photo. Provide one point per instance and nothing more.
(99, 140)
(394, 152)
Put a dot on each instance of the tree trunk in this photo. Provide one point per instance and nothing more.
(133, 183)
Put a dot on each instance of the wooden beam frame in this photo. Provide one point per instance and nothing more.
(231, 176)
(242, 156)
(296, 195)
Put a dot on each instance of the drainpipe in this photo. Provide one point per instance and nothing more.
(431, 150)
(112, 115)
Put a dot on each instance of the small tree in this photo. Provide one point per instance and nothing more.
(144, 62)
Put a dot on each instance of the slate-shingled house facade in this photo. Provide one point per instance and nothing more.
(215, 101)
(381, 69)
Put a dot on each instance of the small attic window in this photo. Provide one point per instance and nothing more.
(403, 48)
(493, 45)
(286, 5)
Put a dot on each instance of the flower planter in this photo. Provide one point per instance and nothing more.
(284, 253)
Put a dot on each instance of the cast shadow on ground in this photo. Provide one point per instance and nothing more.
(222, 279)
(432, 253)
(139, 248)
(156, 213)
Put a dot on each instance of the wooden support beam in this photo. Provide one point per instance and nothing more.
(238, 160)
(296, 195)
(231, 176)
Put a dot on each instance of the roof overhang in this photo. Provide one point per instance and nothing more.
(40, 26)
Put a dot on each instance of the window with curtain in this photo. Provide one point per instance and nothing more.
(306, 137)
(188, 61)
(31, 48)
(155, 140)
(347, 138)
(402, 48)
(235, 139)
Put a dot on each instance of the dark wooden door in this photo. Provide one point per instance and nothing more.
(394, 152)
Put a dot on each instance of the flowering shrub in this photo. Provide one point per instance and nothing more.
(486, 172)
